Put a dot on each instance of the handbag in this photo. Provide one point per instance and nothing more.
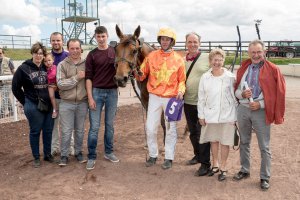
(236, 142)
(42, 105)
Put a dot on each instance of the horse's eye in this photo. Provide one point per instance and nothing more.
(134, 51)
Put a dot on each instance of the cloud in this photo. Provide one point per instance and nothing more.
(31, 30)
(27, 17)
(214, 20)
(19, 10)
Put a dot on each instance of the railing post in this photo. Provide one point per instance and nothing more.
(15, 110)
(12, 41)
(6, 94)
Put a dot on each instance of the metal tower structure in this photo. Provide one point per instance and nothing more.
(76, 15)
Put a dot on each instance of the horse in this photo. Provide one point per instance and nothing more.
(130, 53)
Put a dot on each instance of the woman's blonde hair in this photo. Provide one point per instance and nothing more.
(216, 51)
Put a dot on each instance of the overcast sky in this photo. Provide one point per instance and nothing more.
(214, 20)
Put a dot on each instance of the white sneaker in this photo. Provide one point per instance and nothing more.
(111, 157)
(90, 164)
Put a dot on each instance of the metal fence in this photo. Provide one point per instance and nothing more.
(10, 109)
(15, 41)
(207, 46)
(228, 46)
(46, 42)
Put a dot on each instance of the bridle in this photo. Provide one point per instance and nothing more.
(134, 68)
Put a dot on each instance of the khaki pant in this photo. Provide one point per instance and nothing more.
(55, 146)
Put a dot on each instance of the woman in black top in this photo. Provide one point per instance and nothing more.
(29, 84)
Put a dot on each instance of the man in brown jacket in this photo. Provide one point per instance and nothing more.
(73, 107)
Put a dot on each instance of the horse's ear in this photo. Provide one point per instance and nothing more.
(119, 32)
(137, 32)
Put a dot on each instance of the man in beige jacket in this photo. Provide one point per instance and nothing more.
(74, 106)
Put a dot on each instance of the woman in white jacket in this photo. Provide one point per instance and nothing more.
(217, 110)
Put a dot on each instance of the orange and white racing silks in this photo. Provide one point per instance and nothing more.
(165, 72)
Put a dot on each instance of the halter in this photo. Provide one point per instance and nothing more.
(133, 65)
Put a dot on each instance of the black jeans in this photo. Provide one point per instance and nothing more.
(201, 151)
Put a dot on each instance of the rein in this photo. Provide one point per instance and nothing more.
(133, 68)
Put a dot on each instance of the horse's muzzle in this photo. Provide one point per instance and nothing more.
(120, 81)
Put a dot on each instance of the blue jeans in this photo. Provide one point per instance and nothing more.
(107, 98)
(38, 121)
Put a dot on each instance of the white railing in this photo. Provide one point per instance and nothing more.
(10, 109)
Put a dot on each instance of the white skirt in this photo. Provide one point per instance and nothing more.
(221, 132)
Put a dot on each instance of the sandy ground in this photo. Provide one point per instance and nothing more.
(130, 179)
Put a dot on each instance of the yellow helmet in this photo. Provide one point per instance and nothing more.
(168, 33)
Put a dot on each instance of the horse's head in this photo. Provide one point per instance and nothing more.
(127, 56)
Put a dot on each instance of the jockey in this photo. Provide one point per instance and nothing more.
(167, 32)
(166, 79)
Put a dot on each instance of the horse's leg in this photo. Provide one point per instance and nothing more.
(144, 100)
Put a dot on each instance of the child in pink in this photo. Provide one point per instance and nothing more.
(51, 74)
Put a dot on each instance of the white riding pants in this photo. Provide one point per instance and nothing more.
(155, 108)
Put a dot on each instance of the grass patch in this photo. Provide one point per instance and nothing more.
(284, 61)
(277, 61)
(18, 54)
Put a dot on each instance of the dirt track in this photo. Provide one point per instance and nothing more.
(130, 179)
